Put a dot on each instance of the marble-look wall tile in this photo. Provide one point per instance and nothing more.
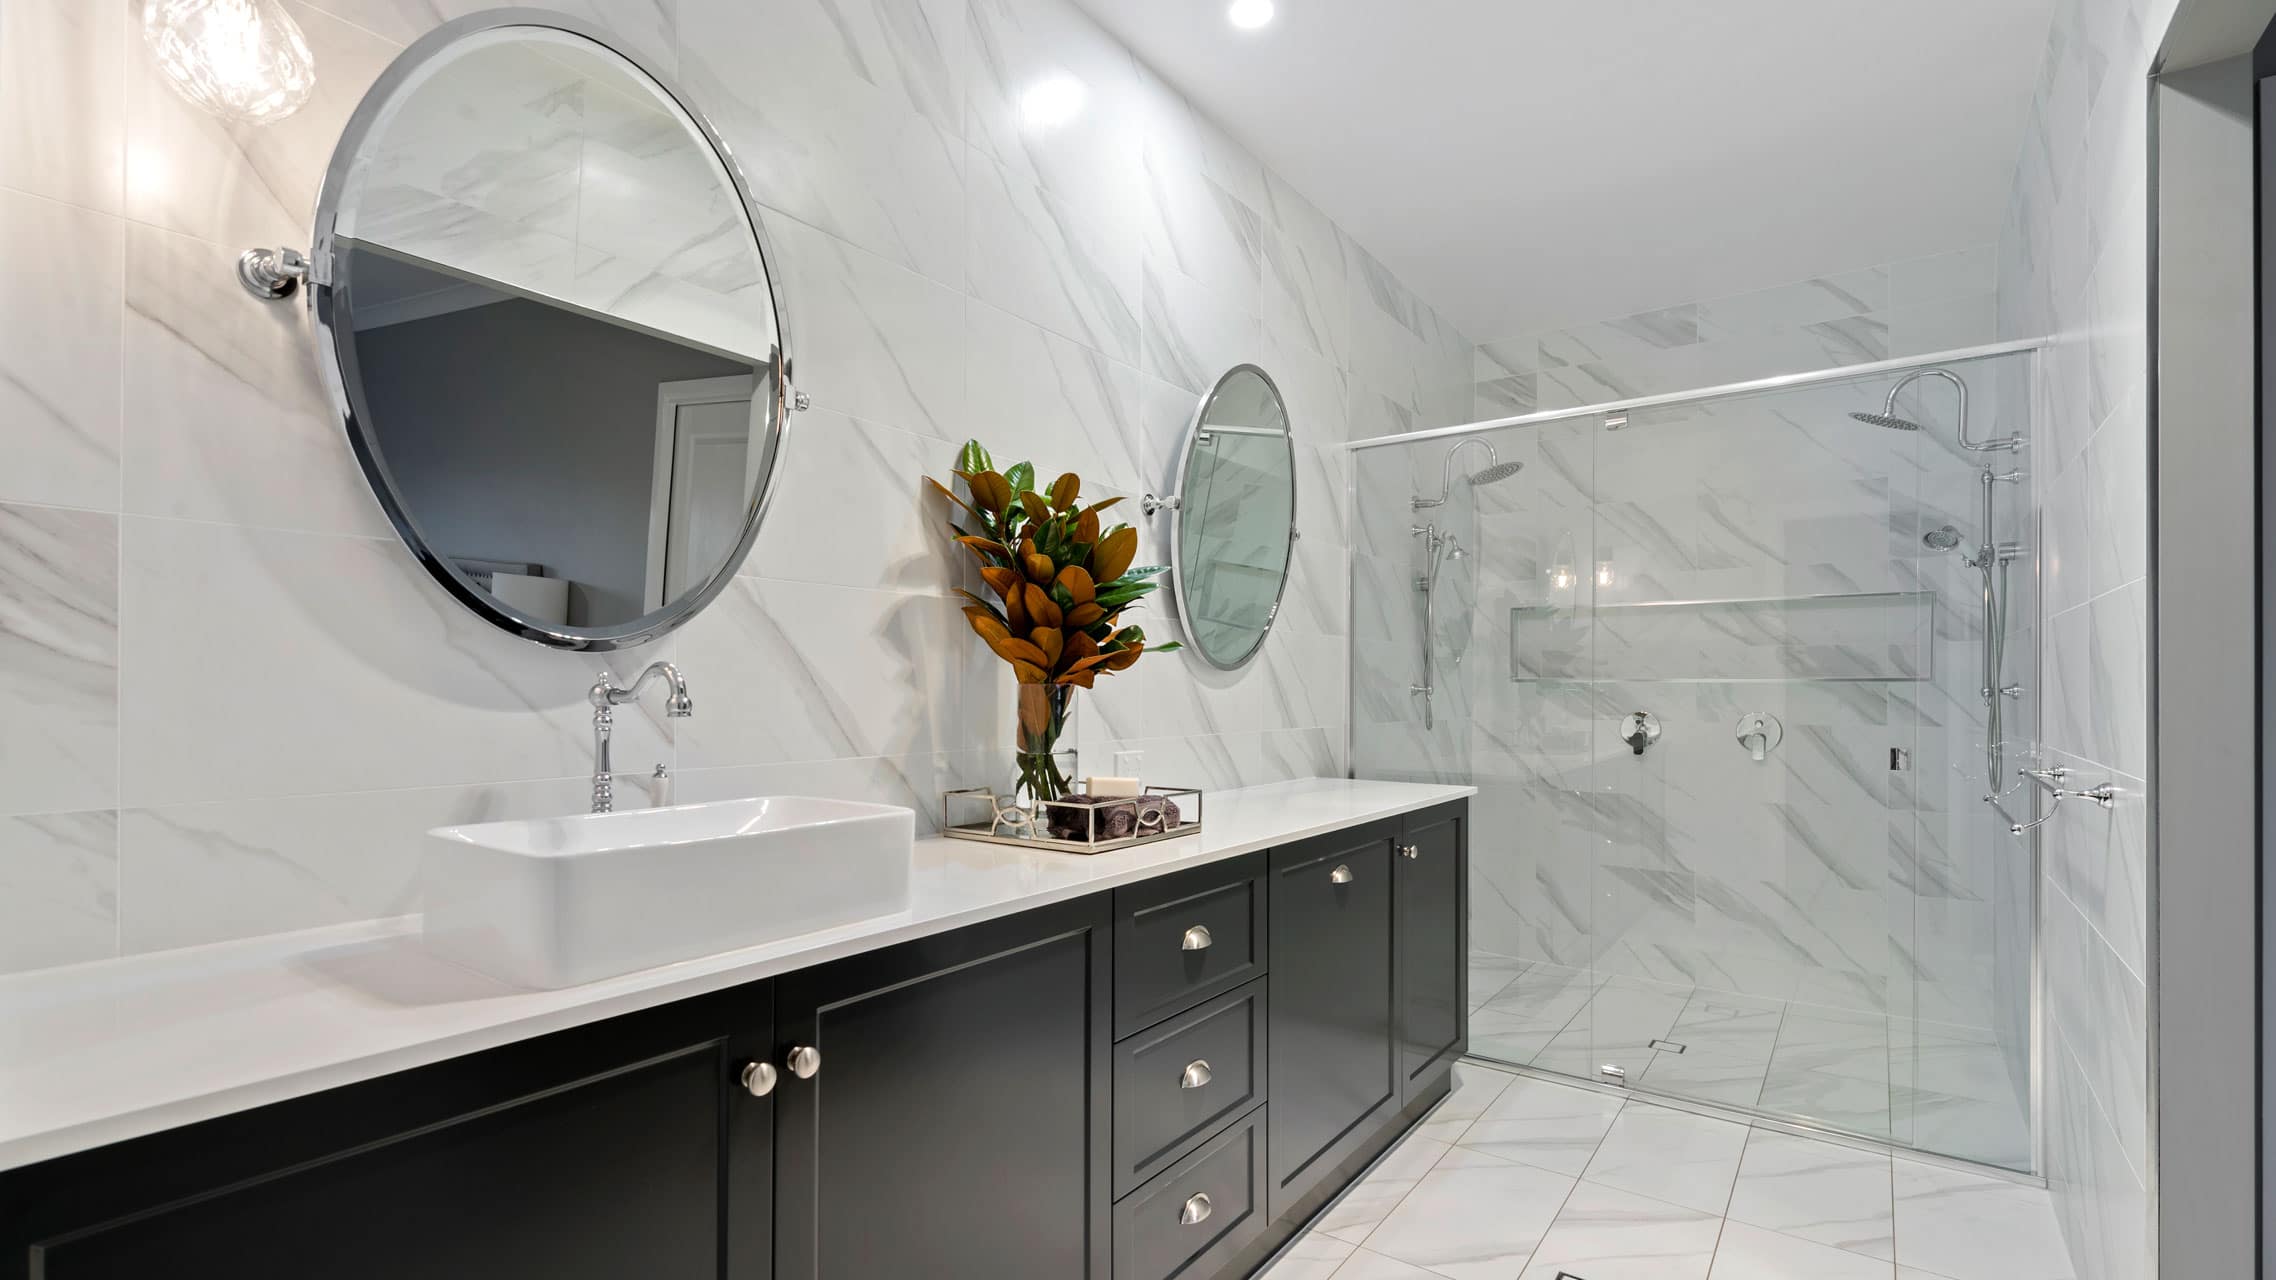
(835, 465)
(227, 419)
(62, 270)
(59, 900)
(1047, 261)
(870, 339)
(59, 659)
(64, 60)
(336, 666)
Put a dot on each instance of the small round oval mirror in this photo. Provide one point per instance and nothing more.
(544, 301)
(1234, 525)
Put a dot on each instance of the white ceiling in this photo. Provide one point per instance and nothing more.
(1525, 164)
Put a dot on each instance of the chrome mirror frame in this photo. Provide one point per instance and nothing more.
(1176, 506)
(330, 304)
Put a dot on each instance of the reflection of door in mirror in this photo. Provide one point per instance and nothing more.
(702, 477)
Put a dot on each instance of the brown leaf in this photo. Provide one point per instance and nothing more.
(1086, 528)
(1034, 714)
(1052, 641)
(1101, 505)
(1042, 610)
(1037, 509)
(1065, 490)
(1084, 614)
(950, 494)
(1029, 673)
(1080, 679)
(1015, 610)
(1121, 659)
(1005, 582)
(1080, 646)
(1014, 650)
(1039, 567)
(989, 628)
(983, 548)
(1113, 554)
(991, 491)
(1077, 580)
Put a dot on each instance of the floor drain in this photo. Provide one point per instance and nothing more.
(1667, 1046)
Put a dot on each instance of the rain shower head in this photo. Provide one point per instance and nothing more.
(1495, 470)
(1943, 539)
(1889, 420)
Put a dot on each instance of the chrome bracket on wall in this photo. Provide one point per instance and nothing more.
(271, 273)
(2051, 780)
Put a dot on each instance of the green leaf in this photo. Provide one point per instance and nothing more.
(1122, 595)
(973, 458)
(1172, 647)
(1022, 477)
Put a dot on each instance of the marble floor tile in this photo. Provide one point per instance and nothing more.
(1817, 1191)
(1311, 1256)
(1971, 1227)
(1365, 1205)
(1751, 1253)
(1671, 1155)
(1475, 1089)
(1473, 1223)
(1366, 1265)
(1546, 1125)
(1607, 1234)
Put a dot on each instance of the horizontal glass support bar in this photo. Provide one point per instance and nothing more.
(1828, 598)
(1920, 679)
(1726, 391)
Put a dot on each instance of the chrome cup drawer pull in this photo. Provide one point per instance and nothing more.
(1196, 1074)
(1197, 939)
(1341, 875)
(1196, 1209)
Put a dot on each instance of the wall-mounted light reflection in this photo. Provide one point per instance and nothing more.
(1249, 15)
(1561, 577)
(1604, 576)
(1051, 102)
(239, 59)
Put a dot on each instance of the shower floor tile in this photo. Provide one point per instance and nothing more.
(1659, 1195)
(1928, 1085)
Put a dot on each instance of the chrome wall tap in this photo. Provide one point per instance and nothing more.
(607, 696)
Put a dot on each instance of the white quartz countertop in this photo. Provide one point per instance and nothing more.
(97, 1053)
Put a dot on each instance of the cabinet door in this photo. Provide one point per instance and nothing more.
(958, 1126)
(600, 1153)
(1431, 890)
(1332, 1073)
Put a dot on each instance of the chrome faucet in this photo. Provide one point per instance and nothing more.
(607, 696)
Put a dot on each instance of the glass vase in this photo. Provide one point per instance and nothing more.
(1046, 771)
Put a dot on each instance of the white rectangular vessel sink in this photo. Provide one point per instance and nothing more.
(554, 902)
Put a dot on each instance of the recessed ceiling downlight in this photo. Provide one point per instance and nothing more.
(1248, 15)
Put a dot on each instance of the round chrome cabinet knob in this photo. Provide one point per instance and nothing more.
(758, 1078)
(804, 1061)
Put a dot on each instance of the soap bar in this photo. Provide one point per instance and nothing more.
(1103, 787)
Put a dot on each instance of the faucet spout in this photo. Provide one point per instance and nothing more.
(606, 696)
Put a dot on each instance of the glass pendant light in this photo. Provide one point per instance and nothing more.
(239, 59)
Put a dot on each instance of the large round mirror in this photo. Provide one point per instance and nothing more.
(1235, 521)
(544, 292)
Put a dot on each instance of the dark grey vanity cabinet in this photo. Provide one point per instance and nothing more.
(1333, 1071)
(608, 1151)
(958, 1124)
(1431, 893)
(1161, 1082)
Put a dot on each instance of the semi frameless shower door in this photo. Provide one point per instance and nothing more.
(1716, 667)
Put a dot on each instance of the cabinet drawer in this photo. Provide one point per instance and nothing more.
(1220, 1188)
(1177, 1082)
(1182, 939)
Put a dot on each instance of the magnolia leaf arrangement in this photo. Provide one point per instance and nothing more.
(1059, 581)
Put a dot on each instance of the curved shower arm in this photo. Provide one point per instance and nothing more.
(2005, 444)
(1446, 471)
